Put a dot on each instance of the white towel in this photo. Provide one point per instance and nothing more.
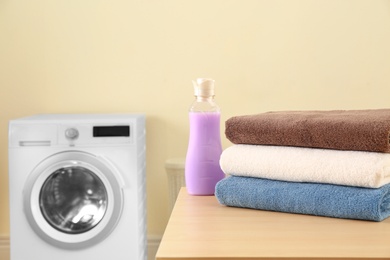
(298, 164)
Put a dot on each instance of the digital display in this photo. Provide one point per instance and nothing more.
(111, 131)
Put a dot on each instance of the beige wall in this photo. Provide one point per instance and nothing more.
(75, 56)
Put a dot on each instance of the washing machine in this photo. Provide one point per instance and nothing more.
(77, 187)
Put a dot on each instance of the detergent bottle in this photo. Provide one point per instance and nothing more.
(202, 169)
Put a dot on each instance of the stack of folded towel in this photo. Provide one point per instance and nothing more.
(325, 163)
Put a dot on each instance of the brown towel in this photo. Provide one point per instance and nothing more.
(360, 130)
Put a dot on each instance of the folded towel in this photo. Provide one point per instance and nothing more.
(305, 198)
(287, 163)
(362, 130)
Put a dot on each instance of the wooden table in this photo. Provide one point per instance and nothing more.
(201, 228)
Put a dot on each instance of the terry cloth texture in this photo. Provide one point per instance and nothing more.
(361, 130)
(287, 163)
(305, 198)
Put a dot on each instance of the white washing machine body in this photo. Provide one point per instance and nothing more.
(77, 187)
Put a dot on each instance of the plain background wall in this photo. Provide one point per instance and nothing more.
(91, 56)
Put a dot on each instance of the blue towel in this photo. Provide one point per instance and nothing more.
(305, 198)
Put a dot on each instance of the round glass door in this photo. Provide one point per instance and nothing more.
(73, 200)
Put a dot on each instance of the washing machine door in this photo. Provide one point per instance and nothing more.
(73, 199)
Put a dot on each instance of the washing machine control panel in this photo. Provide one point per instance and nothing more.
(95, 134)
(75, 134)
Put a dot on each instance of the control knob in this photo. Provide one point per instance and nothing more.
(71, 133)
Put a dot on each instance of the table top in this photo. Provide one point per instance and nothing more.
(201, 228)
